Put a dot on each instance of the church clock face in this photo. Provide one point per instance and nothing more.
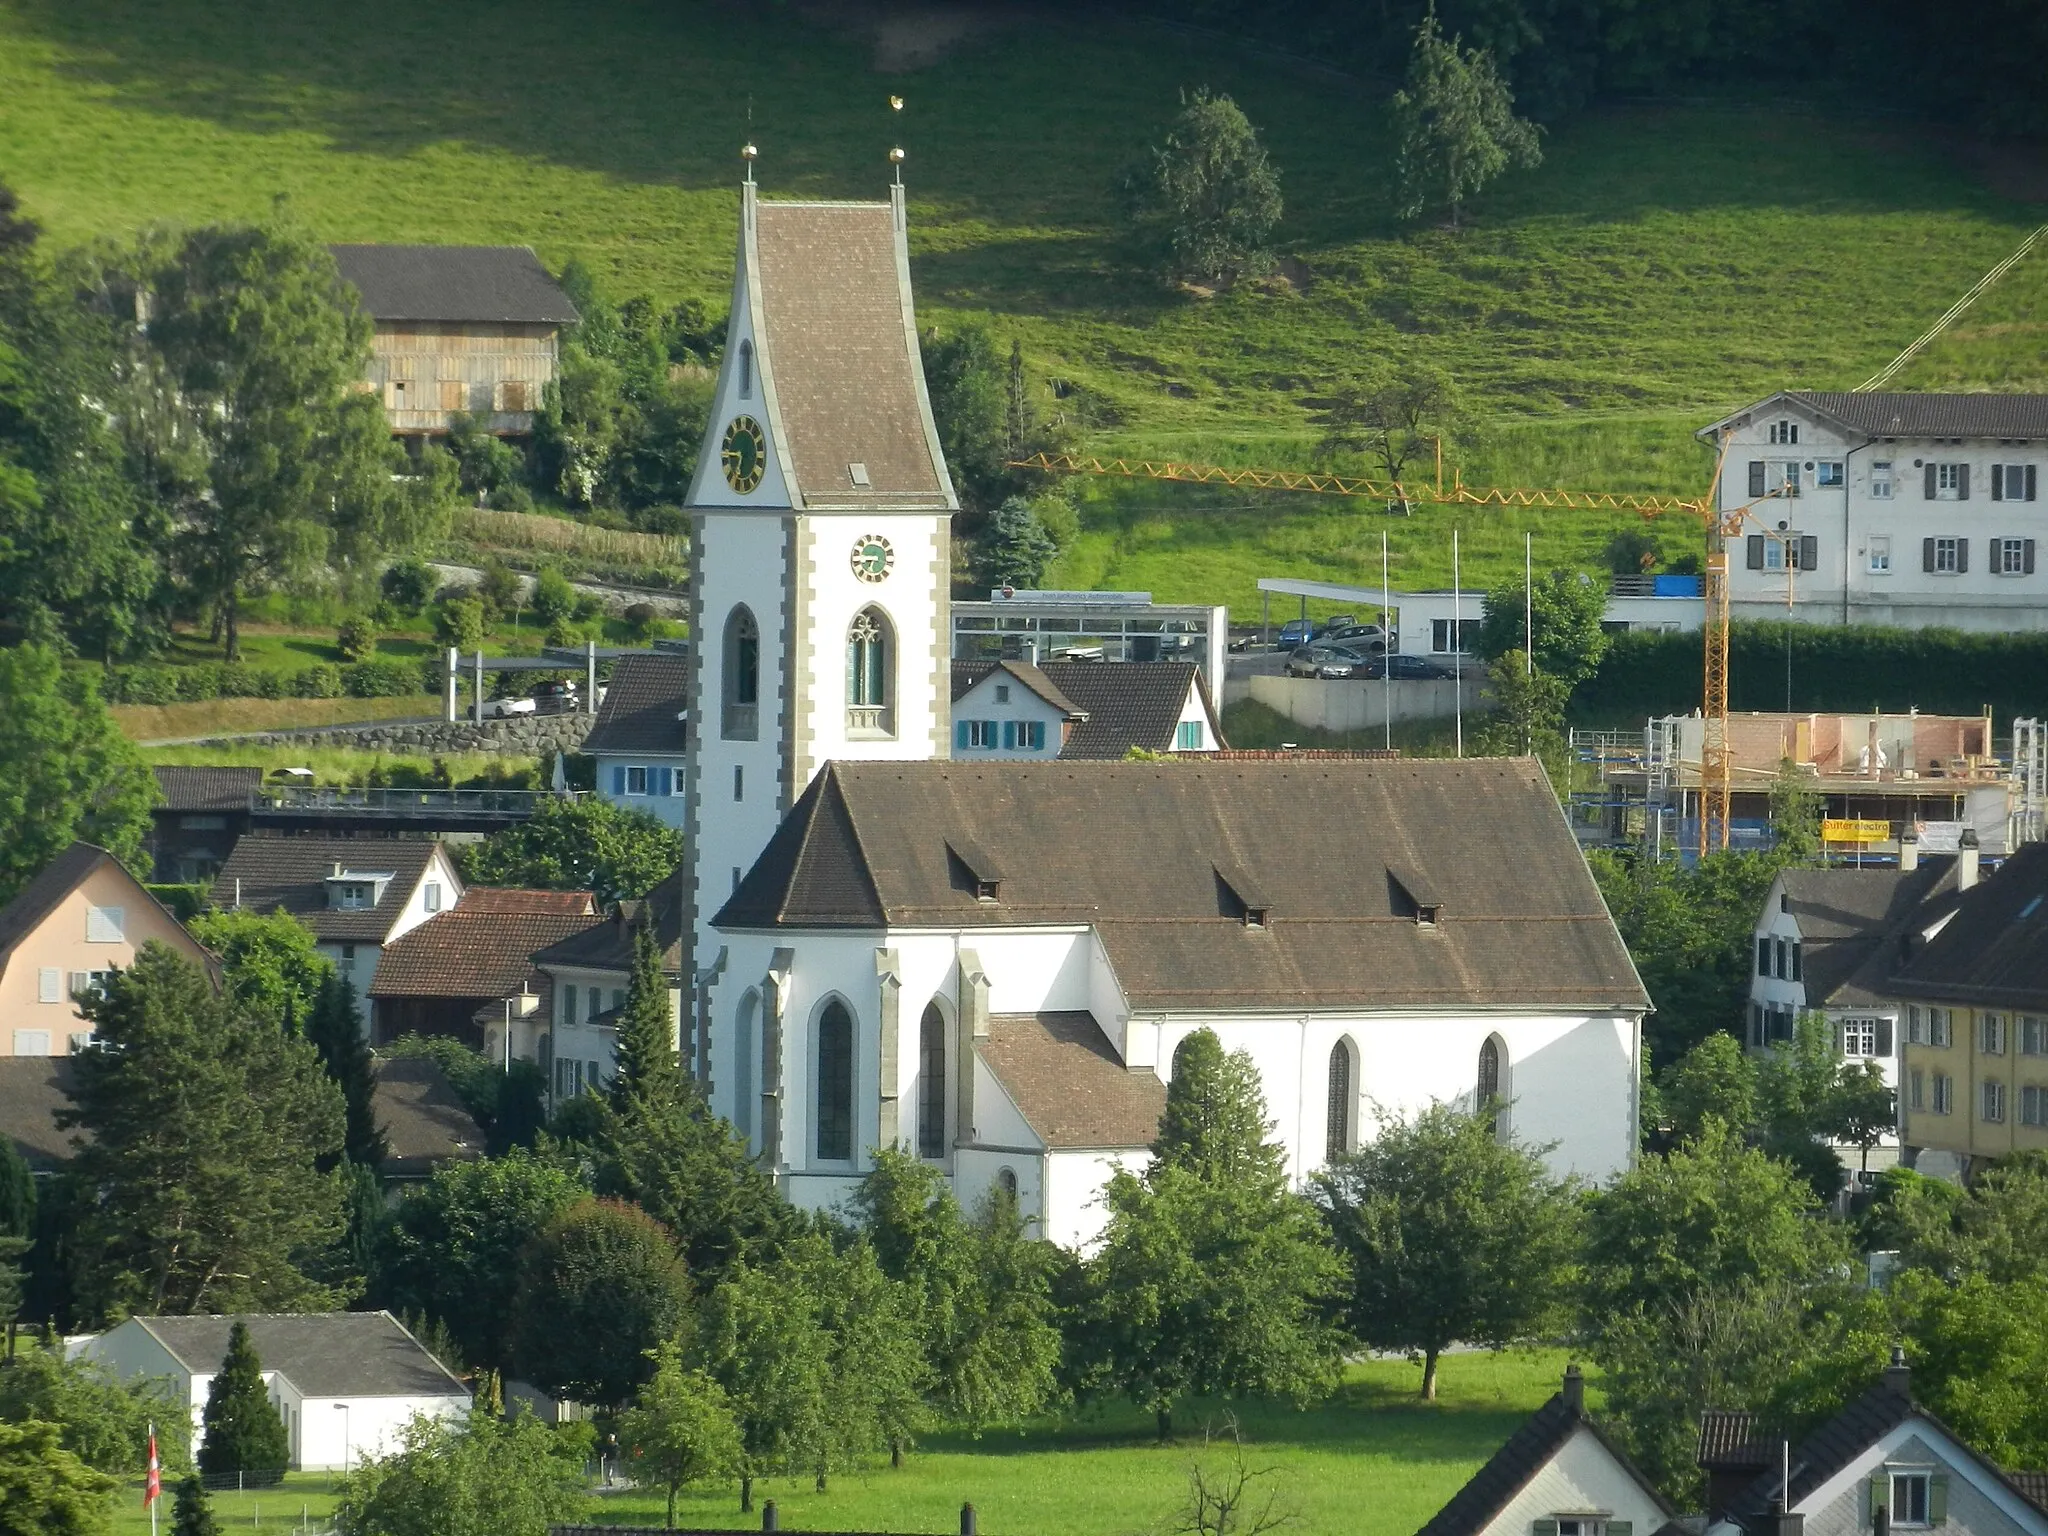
(744, 456)
(873, 559)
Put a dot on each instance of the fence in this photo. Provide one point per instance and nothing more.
(770, 1521)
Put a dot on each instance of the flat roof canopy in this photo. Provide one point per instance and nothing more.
(1336, 591)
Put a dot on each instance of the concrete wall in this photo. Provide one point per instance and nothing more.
(1340, 704)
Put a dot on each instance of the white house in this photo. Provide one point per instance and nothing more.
(345, 1383)
(574, 1036)
(1909, 510)
(638, 741)
(1441, 622)
(1012, 711)
(1558, 1475)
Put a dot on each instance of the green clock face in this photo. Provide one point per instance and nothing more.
(744, 456)
(873, 559)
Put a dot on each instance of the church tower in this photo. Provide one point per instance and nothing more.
(820, 543)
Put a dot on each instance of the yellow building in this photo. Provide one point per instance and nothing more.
(1974, 996)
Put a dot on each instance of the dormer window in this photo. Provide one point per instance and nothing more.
(1255, 917)
(987, 890)
(351, 890)
(1426, 914)
(1241, 897)
(983, 877)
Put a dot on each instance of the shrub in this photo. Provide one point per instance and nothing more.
(641, 619)
(267, 684)
(388, 677)
(409, 585)
(322, 680)
(459, 621)
(563, 633)
(355, 639)
(202, 681)
(498, 589)
(554, 600)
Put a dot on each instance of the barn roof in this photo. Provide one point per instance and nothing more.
(486, 284)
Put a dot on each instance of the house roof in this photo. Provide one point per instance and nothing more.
(1527, 1452)
(2032, 1486)
(476, 950)
(606, 943)
(507, 898)
(1066, 1081)
(325, 1354)
(1917, 415)
(643, 706)
(840, 354)
(1136, 850)
(505, 284)
(1848, 916)
(424, 1123)
(34, 902)
(32, 1090)
(207, 789)
(1116, 705)
(290, 873)
(1730, 1442)
(1994, 951)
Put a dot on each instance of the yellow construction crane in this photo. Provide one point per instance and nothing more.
(1720, 526)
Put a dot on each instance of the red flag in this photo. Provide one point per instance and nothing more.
(154, 1489)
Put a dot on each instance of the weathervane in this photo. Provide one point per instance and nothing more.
(896, 154)
(747, 150)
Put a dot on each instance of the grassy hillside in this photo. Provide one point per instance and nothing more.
(1664, 264)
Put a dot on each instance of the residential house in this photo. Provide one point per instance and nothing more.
(81, 918)
(346, 1384)
(584, 979)
(1560, 1474)
(1009, 711)
(357, 894)
(1972, 984)
(458, 328)
(640, 739)
(1883, 1464)
(1898, 509)
(464, 971)
(202, 813)
(995, 966)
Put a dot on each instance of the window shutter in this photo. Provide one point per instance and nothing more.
(1929, 485)
(1753, 551)
(1962, 482)
(1009, 735)
(1797, 967)
(1962, 556)
(618, 779)
(1809, 560)
(1998, 482)
(1927, 554)
(959, 735)
(1544, 1527)
(1880, 1493)
(1621, 1528)
(1884, 1037)
(668, 781)
(2030, 482)
(2027, 557)
(1763, 957)
(50, 985)
(1937, 1500)
(1756, 478)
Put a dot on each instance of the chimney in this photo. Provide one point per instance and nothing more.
(1909, 848)
(1574, 1389)
(1898, 1376)
(1966, 859)
(337, 870)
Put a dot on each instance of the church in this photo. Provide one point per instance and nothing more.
(992, 963)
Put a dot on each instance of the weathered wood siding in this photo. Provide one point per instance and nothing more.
(426, 373)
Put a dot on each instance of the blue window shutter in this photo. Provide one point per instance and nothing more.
(668, 781)
(619, 779)
(960, 735)
(1009, 735)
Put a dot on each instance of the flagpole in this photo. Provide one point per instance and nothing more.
(1386, 642)
(1457, 645)
(153, 1489)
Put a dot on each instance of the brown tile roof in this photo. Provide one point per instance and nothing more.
(505, 284)
(504, 898)
(1994, 952)
(424, 1123)
(473, 951)
(291, 873)
(967, 673)
(1138, 850)
(207, 789)
(1119, 704)
(840, 354)
(1064, 1077)
(643, 705)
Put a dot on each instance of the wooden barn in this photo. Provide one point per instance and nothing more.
(473, 328)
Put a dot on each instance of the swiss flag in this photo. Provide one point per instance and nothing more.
(154, 1488)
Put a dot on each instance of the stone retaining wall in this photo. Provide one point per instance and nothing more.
(521, 737)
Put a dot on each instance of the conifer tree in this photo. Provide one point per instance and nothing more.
(336, 1033)
(193, 1515)
(650, 1074)
(243, 1432)
(1215, 1124)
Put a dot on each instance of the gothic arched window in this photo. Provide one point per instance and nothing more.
(931, 1086)
(746, 370)
(1338, 1116)
(1006, 1181)
(740, 666)
(744, 1048)
(870, 673)
(835, 1084)
(1490, 1093)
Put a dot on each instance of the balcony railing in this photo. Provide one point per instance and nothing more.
(870, 721)
(405, 802)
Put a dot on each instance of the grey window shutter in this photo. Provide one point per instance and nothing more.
(1621, 1528)
(1753, 551)
(1927, 554)
(1962, 482)
(1756, 478)
(1998, 482)
(2027, 557)
(1763, 957)
(1930, 479)
(1884, 1037)
(2030, 482)
(1544, 1527)
(1809, 554)
(1937, 1500)
(1962, 556)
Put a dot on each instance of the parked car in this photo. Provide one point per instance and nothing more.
(504, 709)
(1323, 661)
(1369, 637)
(1328, 626)
(1405, 668)
(556, 698)
(1296, 632)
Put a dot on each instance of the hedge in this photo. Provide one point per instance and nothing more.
(383, 678)
(1853, 667)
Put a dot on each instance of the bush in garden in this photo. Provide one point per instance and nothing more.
(459, 621)
(387, 678)
(322, 680)
(355, 639)
(409, 585)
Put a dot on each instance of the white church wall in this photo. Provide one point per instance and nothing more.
(1113, 1011)
(997, 1122)
(1073, 1211)
(977, 1171)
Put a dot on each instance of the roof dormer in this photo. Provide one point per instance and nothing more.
(356, 890)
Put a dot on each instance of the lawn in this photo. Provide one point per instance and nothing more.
(224, 717)
(1664, 264)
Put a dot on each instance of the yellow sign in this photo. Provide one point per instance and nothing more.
(1844, 831)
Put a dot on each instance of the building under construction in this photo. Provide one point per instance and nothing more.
(1875, 773)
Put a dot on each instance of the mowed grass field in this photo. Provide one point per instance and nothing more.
(1372, 1461)
(1666, 262)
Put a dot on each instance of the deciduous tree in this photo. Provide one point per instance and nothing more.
(1980, 1353)
(1455, 125)
(205, 1130)
(761, 1336)
(66, 771)
(243, 1433)
(1396, 419)
(1208, 192)
(270, 962)
(480, 1476)
(579, 845)
(1565, 611)
(101, 1419)
(600, 1287)
(1453, 1234)
(47, 1491)
(1714, 1082)
(680, 1429)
